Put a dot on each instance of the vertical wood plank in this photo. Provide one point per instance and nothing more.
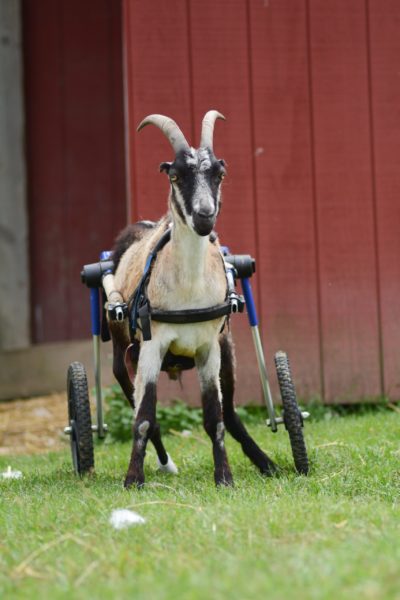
(45, 146)
(344, 199)
(221, 80)
(157, 76)
(285, 216)
(384, 39)
(93, 211)
(75, 149)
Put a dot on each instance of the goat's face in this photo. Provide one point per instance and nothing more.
(196, 177)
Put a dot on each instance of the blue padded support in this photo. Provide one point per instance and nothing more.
(250, 305)
(95, 310)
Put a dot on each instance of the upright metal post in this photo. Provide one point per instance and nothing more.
(253, 320)
(95, 316)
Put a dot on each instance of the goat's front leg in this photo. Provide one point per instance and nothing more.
(145, 426)
(120, 344)
(208, 365)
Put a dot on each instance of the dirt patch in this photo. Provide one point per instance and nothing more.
(33, 426)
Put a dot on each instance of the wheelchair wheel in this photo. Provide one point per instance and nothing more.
(80, 421)
(292, 417)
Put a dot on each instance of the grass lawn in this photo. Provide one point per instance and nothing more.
(334, 534)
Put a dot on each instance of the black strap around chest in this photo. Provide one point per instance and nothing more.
(141, 310)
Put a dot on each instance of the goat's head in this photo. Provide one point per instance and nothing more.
(195, 175)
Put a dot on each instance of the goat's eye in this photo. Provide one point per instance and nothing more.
(221, 176)
(173, 178)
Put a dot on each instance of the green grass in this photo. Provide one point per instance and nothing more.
(334, 534)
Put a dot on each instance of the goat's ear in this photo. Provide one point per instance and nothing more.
(222, 162)
(165, 167)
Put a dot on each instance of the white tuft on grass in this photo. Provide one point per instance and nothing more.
(122, 518)
(10, 474)
(186, 433)
(170, 467)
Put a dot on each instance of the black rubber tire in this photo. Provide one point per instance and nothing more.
(80, 420)
(291, 413)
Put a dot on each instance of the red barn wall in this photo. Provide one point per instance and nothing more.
(75, 153)
(311, 92)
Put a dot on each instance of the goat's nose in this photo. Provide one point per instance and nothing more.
(205, 214)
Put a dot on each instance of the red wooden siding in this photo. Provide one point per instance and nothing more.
(220, 69)
(339, 73)
(384, 52)
(74, 100)
(283, 172)
(311, 91)
(170, 71)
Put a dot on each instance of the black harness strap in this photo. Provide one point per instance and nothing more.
(181, 317)
(138, 299)
(140, 308)
(194, 315)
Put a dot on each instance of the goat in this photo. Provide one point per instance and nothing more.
(187, 274)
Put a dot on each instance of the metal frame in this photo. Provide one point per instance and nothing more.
(95, 311)
(273, 420)
(100, 426)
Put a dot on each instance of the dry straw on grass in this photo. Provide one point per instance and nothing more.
(33, 426)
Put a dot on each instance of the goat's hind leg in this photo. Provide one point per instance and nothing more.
(120, 343)
(232, 421)
(208, 367)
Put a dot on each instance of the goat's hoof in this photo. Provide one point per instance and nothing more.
(225, 483)
(169, 467)
(133, 480)
(225, 479)
(269, 469)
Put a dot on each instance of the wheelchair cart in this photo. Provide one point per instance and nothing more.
(80, 427)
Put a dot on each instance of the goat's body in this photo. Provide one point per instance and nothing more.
(188, 273)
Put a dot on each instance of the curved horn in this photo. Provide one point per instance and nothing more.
(207, 128)
(169, 128)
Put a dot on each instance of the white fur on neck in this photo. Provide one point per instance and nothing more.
(190, 250)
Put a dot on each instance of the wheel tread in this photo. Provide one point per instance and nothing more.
(291, 413)
(79, 407)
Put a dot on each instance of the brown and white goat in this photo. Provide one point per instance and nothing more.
(188, 273)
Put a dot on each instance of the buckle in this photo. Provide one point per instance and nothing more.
(117, 311)
(237, 302)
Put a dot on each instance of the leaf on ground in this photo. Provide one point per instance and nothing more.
(341, 524)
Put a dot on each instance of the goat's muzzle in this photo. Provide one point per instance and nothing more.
(203, 224)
